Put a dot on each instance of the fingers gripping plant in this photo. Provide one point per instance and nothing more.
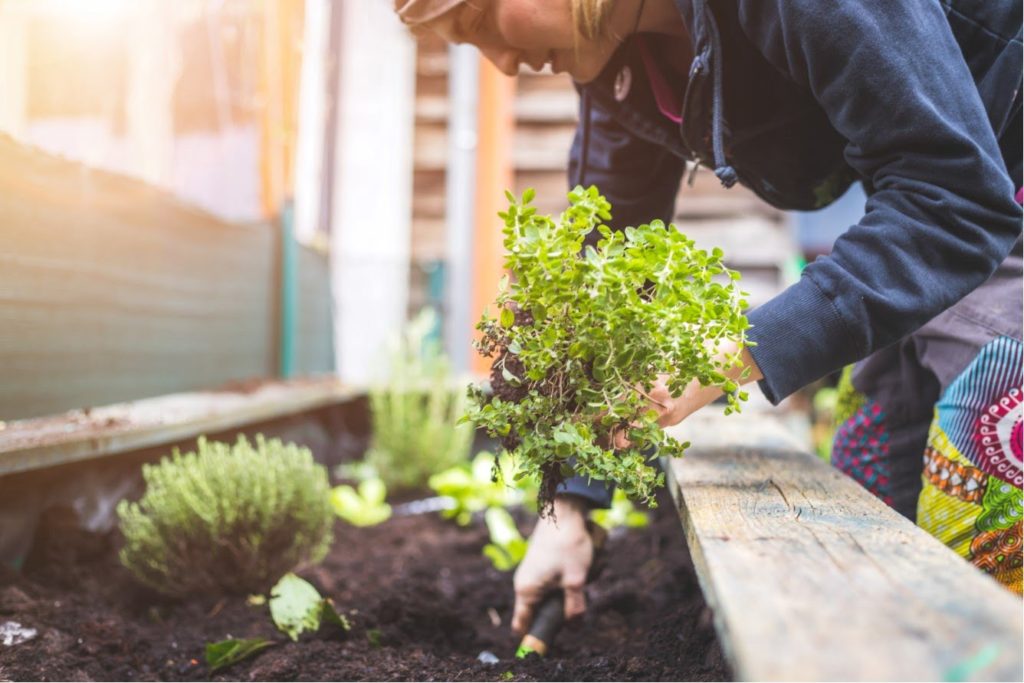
(582, 335)
(230, 519)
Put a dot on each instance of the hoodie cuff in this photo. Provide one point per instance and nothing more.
(800, 337)
(594, 491)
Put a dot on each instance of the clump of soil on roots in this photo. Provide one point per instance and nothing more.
(422, 599)
(494, 344)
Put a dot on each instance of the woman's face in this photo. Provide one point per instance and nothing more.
(531, 32)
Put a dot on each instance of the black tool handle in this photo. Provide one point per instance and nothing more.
(549, 618)
(551, 614)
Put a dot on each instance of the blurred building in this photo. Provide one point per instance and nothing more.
(329, 121)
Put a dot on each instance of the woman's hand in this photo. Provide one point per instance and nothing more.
(560, 554)
(674, 409)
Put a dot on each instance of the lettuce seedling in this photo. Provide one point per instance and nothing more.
(365, 507)
(482, 484)
(622, 513)
(507, 547)
(582, 334)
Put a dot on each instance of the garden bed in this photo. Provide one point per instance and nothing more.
(422, 600)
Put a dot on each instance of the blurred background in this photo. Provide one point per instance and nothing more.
(199, 192)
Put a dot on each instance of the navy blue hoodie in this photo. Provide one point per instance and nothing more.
(919, 100)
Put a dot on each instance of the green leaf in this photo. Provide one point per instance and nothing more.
(507, 547)
(224, 653)
(330, 614)
(373, 636)
(498, 557)
(365, 507)
(508, 318)
(295, 606)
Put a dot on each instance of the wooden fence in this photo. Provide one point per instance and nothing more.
(111, 290)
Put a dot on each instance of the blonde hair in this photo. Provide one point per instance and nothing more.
(590, 17)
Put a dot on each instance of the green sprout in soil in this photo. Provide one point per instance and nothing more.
(373, 637)
(582, 334)
(362, 506)
(223, 654)
(507, 547)
(482, 484)
(621, 514)
(227, 519)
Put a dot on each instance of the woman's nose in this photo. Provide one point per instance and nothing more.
(506, 60)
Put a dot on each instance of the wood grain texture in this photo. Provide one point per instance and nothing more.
(80, 435)
(810, 577)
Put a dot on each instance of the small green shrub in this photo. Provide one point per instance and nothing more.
(415, 415)
(227, 519)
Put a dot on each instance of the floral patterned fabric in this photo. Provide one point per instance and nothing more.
(971, 498)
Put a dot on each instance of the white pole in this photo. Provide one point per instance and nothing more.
(372, 202)
(463, 95)
(14, 21)
(309, 153)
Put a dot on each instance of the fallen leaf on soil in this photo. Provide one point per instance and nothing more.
(228, 652)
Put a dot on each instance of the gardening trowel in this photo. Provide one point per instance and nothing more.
(551, 614)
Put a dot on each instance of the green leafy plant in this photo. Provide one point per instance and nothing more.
(364, 506)
(373, 637)
(227, 519)
(484, 483)
(507, 547)
(581, 336)
(223, 654)
(296, 606)
(415, 415)
(622, 513)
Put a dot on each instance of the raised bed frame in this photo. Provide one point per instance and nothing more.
(811, 577)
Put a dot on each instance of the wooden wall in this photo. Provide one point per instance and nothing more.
(756, 238)
(111, 290)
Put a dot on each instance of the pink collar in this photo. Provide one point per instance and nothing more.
(664, 95)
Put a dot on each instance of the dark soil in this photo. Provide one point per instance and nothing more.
(422, 599)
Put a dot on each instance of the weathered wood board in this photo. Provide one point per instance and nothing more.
(810, 577)
(80, 435)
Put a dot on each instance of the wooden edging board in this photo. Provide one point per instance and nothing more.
(82, 434)
(810, 577)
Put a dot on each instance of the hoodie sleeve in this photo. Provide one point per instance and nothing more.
(892, 80)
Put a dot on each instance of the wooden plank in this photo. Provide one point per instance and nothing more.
(84, 434)
(540, 148)
(746, 240)
(543, 106)
(810, 577)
